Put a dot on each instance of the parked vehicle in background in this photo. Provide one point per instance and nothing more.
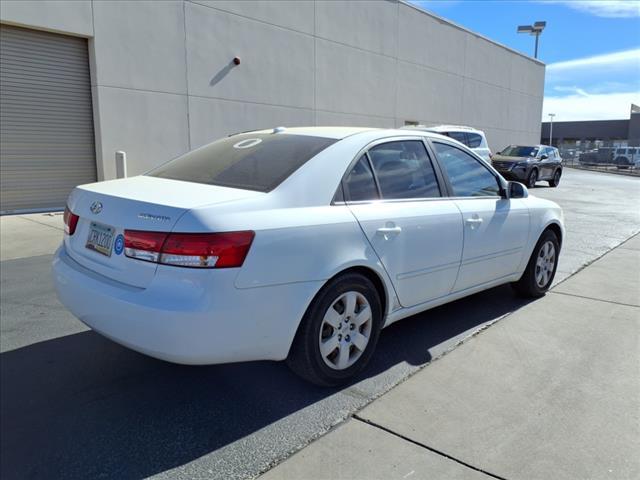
(626, 157)
(529, 164)
(471, 137)
(597, 156)
(297, 244)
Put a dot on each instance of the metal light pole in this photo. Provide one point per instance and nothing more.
(535, 30)
(551, 115)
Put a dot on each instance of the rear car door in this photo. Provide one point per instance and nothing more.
(496, 229)
(396, 194)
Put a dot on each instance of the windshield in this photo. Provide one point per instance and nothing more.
(251, 161)
(518, 151)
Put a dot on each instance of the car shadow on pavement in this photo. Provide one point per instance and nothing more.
(81, 406)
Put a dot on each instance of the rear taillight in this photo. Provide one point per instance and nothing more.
(143, 245)
(70, 221)
(208, 250)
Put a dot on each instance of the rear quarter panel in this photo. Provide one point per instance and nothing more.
(291, 244)
(543, 213)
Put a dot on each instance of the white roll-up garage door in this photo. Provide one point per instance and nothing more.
(46, 119)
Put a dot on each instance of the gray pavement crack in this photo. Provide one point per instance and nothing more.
(427, 447)
(594, 299)
(43, 224)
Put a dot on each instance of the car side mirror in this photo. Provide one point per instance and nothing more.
(516, 190)
(544, 156)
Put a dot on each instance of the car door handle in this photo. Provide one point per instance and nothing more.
(473, 221)
(388, 230)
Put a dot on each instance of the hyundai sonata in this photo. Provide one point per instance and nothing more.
(297, 244)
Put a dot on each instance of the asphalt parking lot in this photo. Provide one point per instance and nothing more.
(75, 405)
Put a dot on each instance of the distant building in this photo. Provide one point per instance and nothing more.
(595, 132)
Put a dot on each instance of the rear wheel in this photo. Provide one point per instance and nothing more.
(555, 181)
(339, 331)
(532, 178)
(541, 269)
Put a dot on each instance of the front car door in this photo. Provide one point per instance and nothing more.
(396, 194)
(549, 164)
(496, 229)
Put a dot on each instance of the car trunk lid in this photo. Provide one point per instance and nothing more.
(107, 209)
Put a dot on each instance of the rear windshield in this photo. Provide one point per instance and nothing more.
(251, 161)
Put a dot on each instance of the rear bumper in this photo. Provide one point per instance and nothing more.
(187, 316)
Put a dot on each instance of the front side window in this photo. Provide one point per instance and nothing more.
(359, 185)
(468, 177)
(475, 140)
(404, 170)
(250, 161)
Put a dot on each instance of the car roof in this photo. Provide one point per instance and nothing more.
(443, 128)
(328, 132)
(531, 146)
(340, 133)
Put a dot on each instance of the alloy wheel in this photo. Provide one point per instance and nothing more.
(545, 263)
(345, 330)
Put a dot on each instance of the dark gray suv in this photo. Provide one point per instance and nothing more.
(529, 164)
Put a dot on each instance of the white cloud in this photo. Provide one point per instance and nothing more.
(605, 8)
(578, 106)
(599, 87)
(622, 59)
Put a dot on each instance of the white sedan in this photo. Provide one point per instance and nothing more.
(297, 244)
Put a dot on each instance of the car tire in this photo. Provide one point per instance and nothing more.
(540, 271)
(555, 181)
(532, 178)
(332, 321)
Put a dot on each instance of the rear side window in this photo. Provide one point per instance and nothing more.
(359, 185)
(475, 140)
(468, 177)
(251, 161)
(459, 136)
(404, 170)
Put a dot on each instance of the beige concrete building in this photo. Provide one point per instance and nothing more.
(82, 79)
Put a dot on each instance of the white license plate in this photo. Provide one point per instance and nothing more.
(100, 238)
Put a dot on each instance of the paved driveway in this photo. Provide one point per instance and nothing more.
(75, 405)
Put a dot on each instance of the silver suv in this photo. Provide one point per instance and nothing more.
(469, 136)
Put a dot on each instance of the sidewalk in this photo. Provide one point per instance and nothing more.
(550, 392)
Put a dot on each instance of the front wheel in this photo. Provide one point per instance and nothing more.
(541, 269)
(532, 178)
(555, 181)
(339, 331)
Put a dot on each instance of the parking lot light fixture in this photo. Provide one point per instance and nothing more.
(551, 115)
(535, 30)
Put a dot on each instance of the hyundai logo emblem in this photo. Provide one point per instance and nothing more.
(96, 208)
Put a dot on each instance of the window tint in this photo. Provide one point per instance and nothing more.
(459, 136)
(620, 150)
(404, 170)
(252, 161)
(359, 184)
(468, 177)
(475, 140)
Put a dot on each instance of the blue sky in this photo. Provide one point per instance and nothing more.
(591, 48)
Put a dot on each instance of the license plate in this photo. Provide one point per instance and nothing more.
(100, 238)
